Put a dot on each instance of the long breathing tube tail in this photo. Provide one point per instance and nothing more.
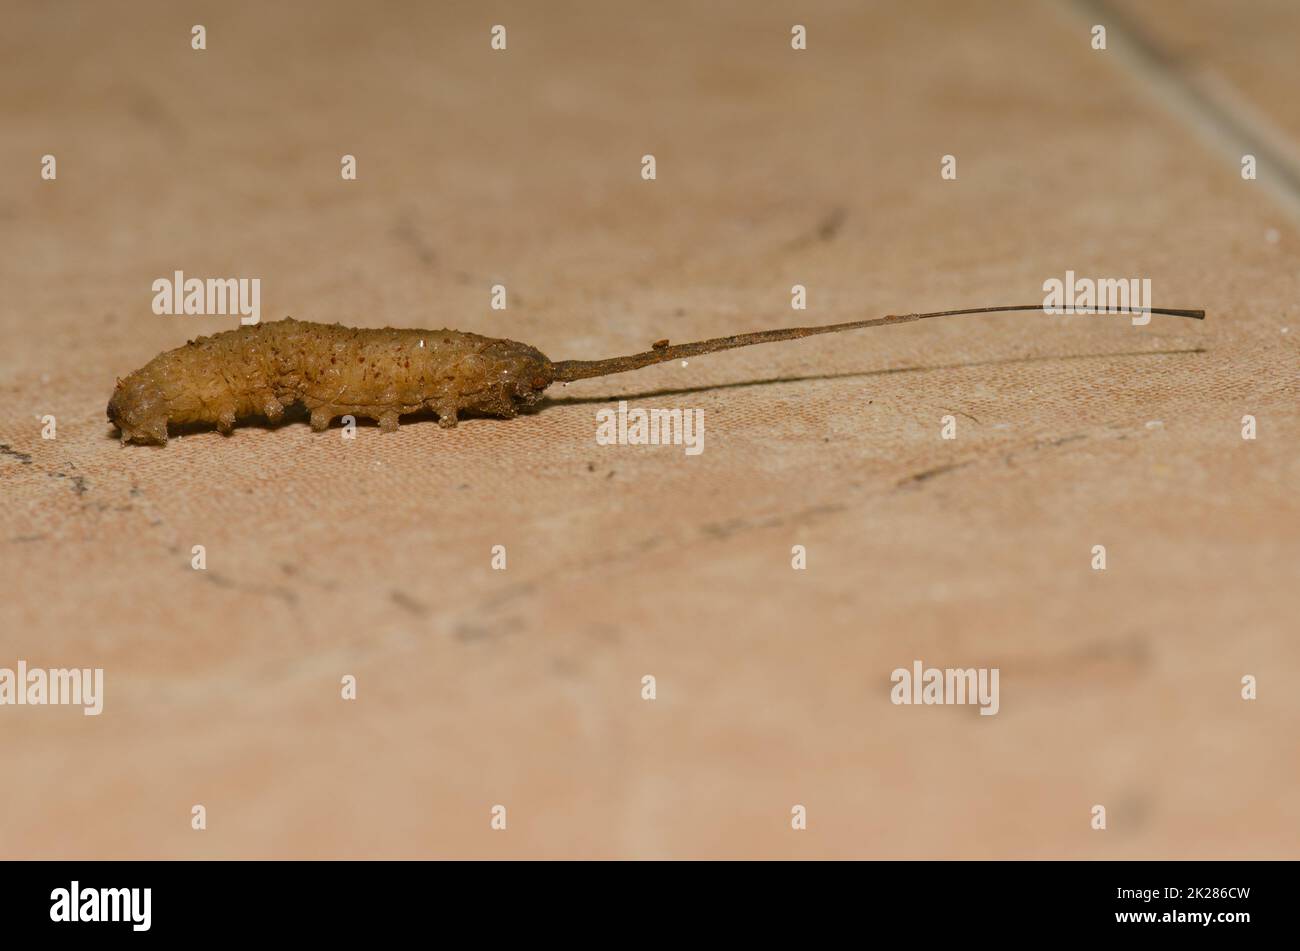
(567, 371)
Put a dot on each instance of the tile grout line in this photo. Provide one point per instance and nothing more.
(1207, 103)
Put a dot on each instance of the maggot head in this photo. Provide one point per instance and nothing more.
(139, 410)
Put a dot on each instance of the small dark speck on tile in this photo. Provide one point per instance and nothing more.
(7, 450)
(408, 603)
(564, 667)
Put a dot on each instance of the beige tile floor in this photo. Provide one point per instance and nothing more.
(523, 687)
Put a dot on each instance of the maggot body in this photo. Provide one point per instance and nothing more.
(262, 369)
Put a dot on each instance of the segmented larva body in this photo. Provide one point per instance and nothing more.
(335, 371)
(262, 369)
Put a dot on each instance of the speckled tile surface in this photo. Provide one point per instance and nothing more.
(523, 687)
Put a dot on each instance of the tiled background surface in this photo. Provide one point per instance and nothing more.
(522, 687)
